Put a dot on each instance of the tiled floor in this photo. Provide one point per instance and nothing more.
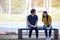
(28, 39)
(25, 37)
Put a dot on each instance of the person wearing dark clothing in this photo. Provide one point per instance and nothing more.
(32, 23)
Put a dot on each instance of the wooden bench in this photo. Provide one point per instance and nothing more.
(20, 32)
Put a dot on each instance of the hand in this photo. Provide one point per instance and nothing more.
(33, 26)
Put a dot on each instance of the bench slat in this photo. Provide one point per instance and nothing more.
(38, 29)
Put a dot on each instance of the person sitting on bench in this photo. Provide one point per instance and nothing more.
(32, 23)
(46, 19)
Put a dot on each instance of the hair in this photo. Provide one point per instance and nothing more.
(32, 11)
(46, 15)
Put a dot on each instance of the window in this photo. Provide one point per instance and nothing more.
(18, 6)
(55, 3)
(37, 3)
(4, 6)
(17, 10)
(55, 9)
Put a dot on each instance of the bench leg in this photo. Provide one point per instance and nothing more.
(19, 34)
(56, 34)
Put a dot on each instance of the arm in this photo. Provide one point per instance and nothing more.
(43, 21)
(28, 21)
(35, 24)
(36, 21)
(29, 24)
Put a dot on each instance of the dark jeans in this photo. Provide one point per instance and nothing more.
(31, 29)
(50, 30)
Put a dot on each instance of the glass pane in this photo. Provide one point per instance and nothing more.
(55, 16)
(55, 3)
(39, 13)
(55, 8)
(18, 6)
(18, 10)
(4, 10)
(55, 19)
(18, 13)
(4, 5)
(55, 13)
(37, 3)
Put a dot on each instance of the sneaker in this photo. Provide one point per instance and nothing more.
(36, 38)
(29, 38)
(49, 38)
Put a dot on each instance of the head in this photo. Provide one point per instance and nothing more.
(45, 14)
(33, 11)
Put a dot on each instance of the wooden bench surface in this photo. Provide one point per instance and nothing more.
(38, 29)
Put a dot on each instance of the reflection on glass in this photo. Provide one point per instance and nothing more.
(18, 10)
(37, 3)
(55, 8)
(39, 13)
(56, 3)
(55, 16)
(18, 6)
(4, 5)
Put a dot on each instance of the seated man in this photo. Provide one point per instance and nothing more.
(32, 23)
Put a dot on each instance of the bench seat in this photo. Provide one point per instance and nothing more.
(20, 32)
